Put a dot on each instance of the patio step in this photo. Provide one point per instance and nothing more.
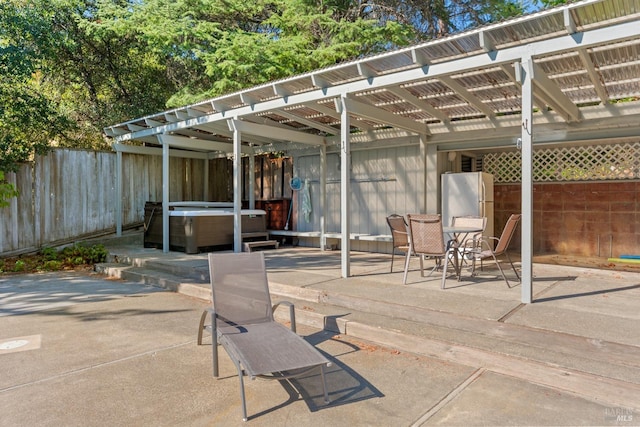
(560, 360)
(193, 268)
(333, 311)
(375, 320)
(577, 368)
(160, 279)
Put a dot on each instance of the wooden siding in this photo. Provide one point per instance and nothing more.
(384, 181)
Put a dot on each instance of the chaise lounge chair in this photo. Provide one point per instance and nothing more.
(242, 322)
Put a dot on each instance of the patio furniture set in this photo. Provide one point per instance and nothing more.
(424, 235)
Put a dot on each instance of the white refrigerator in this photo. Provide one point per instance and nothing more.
(468, 194)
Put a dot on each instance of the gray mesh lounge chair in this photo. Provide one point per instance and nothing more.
(399, 234)
(427, 240)
(485, 248)
(242, 322)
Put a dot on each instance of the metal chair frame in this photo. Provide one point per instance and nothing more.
(399, 235)
(242, 322)
(427, 240)
(502, 245)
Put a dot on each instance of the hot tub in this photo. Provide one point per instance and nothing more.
(194, 230)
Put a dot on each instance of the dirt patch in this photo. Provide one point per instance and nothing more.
(26, 264)
(586, 262)
(76, 257)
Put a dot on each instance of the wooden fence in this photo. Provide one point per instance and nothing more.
(70, 194)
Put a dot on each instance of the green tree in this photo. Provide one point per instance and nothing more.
(99, 69)
(553, 3)
(85, 68)
(298, 39)
(71, 67)
(28, 120)
(212, 47)
(431, 19)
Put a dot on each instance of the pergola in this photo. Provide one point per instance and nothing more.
(567, 75)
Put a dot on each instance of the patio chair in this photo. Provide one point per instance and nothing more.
(465, 241)
(399, 234)
(427, 240)
(484, 248)
(242, 322)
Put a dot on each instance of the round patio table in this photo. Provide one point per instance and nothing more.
(458, 234)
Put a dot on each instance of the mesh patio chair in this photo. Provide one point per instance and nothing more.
(466, 241)
(399, 234)
(484, 248)
(242, 322)
(427, 240)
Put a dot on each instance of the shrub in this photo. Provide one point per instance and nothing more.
(52, 265)
(78, 254)
(97, 253)
(19, 265)
(49, 254)
(49, 259)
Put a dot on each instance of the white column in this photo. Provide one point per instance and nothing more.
(429, 156)
(165, 195)
(345, 186)
(252, 181)
(432, 185)
(526, 224)
(237, 189)
(118, 193)
(323, 197)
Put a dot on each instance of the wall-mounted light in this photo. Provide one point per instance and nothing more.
(452, 156)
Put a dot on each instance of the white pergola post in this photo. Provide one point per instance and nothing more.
(165, 194)
(252, 181)
(345, 185)
(432, 184)
(323, 197)
(118, 193)
(525, 69)
(237, 187)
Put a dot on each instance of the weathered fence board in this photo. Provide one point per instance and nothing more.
(68, 194)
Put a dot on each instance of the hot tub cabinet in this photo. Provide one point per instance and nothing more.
(193, 230)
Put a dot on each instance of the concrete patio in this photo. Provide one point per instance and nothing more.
(113, 352)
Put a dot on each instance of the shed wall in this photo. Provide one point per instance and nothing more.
(384, 181)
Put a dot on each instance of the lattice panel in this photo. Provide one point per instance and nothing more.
(586, 163)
